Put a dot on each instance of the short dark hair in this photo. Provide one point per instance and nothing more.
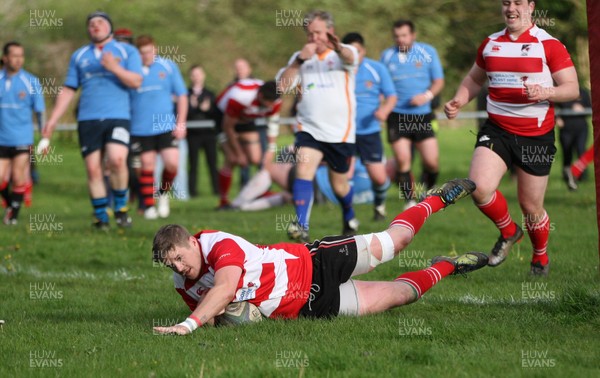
(353, 37)
(269, 91)
(400, 23)
(8, 45)
(167, 238)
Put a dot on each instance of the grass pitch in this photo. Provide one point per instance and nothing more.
(77, 302)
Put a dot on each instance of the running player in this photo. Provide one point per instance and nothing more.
(418, 76)
(155, 129)
(241, 103)
(20, 94)
(105, 70)
(325, 71)
(373, 81)
(522, 63)
(313, 280)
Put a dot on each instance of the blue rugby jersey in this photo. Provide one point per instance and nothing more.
(20, 96)
(103, 96)
(412, 73)
(152, 107)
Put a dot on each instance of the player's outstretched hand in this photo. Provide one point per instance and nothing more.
(174, 330)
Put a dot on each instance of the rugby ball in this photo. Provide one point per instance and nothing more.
(239, 313)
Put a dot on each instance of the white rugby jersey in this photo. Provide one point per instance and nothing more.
(275, 278)
(239, 101)
(327, 109)
(532, 58)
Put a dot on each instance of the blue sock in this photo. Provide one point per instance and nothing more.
(381, 192)
(120, 197)
(346, 202)
(302, 191)
(100, 205)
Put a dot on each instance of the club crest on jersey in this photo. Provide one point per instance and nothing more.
(496, 48)
(22, 94)
(418, 64)
(162, 75)
(330, 64)
(369, 84)
(525, 49)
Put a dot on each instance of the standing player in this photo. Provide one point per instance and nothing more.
(325, 70)
(154, 127)
(373, 82)
(241, 103)
(105, 70)
(418, 76)
(522, 63)
(20, 94)
(285, 280)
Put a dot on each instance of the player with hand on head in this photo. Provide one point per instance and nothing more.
(105, 70)
(155, 129)
(523, 63)
(20, 94)
(314, 280)
(325, 71)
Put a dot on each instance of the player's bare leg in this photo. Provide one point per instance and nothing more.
(344, 193)
(531, 191)
(250, 142)
(18, 166)
(429, 150)
(170, 157)
(487, 169)
(360, 298)
(116, 162)
(403, 155)
(381, 184)
(307, 162)
(97, 188)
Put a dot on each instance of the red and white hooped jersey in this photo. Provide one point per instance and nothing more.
(276, 278)
(239, 101)
(531, 58)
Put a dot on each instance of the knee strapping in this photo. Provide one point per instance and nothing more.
(365, 255)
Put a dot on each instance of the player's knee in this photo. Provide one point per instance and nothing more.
(117, 163)
(370, 253)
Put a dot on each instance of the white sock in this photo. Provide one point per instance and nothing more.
(257, 186)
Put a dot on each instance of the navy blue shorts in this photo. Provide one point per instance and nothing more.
(416, 127)
(95, 134)
(9, 152)
(369, 148)
(336, 155)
